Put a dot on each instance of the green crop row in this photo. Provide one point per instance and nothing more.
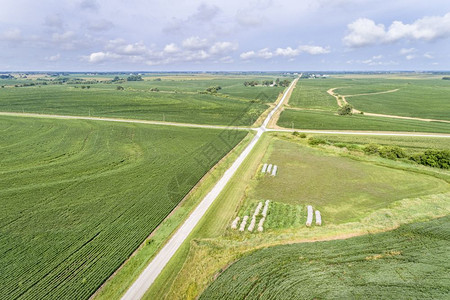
(408, 263)
(78, 197)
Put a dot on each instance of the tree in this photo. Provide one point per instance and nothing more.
(134, 78)
(347, 109)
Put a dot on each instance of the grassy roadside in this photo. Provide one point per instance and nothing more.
(212, 248)
(213, 224)
(116, 285)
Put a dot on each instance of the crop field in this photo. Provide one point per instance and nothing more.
(420, 98)
(78, 197)
(327, 120)
(410, 262)
(177, 100)
(342, 188)
(412, 96)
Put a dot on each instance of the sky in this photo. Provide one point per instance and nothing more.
(231, 35)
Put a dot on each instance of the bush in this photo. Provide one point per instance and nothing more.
(317, 141)
(372, 149)
(433, 158)
(392, 152)
(345, 110)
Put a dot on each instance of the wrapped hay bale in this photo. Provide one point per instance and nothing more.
(243, 224)
(309, 218)
(318, 218)
(260, 224)
(252, 224)
(264, 168)
(235, 223)
(265, 209)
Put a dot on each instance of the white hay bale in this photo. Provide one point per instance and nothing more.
(318, 218)
(235, 223)
(269, 168)
(265, 209)
(260, 224)
(274, 170)
(309, 218)
(264, 168)
(252, 224)
(258, 209)
(244, 223)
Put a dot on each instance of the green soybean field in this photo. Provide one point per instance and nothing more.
(78, 197)
(411, 262)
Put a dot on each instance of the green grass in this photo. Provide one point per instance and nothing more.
(327, 120)
(342, 188)
(412, 144)
(408, 263)
(214, 246)
(78, 197)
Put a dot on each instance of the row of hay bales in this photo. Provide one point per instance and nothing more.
(256, 213)
(309, 218)
(269, 169)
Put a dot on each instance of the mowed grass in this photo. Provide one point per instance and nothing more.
(78, 197)
(343, 189)
(327, 120)
(410, 262)
(177, 101)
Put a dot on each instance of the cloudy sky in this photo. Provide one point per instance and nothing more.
(261, 35)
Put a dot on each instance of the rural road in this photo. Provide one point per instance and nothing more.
(151, 272)
(49, 116)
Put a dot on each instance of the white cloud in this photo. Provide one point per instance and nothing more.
(364, 32)
(404, 51)
(12, 35)
(248, 55)
(53, 57)
(289, 52)
(190, 51)
(223, 47)
(98, 57)
(314, 50)
(171, 48)
(195, 43)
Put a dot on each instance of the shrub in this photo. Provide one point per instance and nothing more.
(345, 110)
(317, 141)
(433, 158)
(392, 152)
(372, 149)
